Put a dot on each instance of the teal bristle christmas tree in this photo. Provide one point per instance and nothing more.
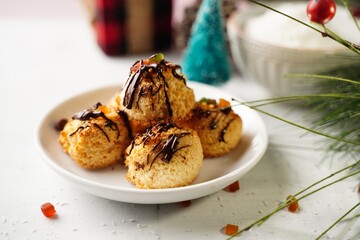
(206, 57)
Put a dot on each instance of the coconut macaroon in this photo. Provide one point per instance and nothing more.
(156, 91)
(217, 125)
(165, 156)
(96, 138)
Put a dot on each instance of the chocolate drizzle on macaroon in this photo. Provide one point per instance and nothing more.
(150, 70)
(217, 115)
(125, 118)
(163, 148)
(224, 130)
(93, 113)
(59, 126)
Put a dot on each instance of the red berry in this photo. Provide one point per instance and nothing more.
(231, 229)
(48, 210)
(233, 187)
(321, 11)
(294, 206)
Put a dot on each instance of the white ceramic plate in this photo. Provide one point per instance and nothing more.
(110, 183)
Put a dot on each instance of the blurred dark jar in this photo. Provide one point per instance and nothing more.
(132, 26)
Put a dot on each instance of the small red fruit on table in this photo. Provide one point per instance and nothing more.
(321, 11)
(231, 229)
(233, 187)
(294, 206)
(185, 204)
(48, 210)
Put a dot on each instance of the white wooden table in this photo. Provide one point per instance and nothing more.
(47, 58)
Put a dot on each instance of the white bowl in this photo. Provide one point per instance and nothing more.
(269, 63)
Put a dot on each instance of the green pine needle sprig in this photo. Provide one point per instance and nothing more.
(339, 116)
(306, 192)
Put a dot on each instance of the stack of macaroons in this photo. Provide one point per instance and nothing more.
(155, 127)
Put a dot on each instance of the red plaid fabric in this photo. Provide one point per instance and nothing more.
(111, 25)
